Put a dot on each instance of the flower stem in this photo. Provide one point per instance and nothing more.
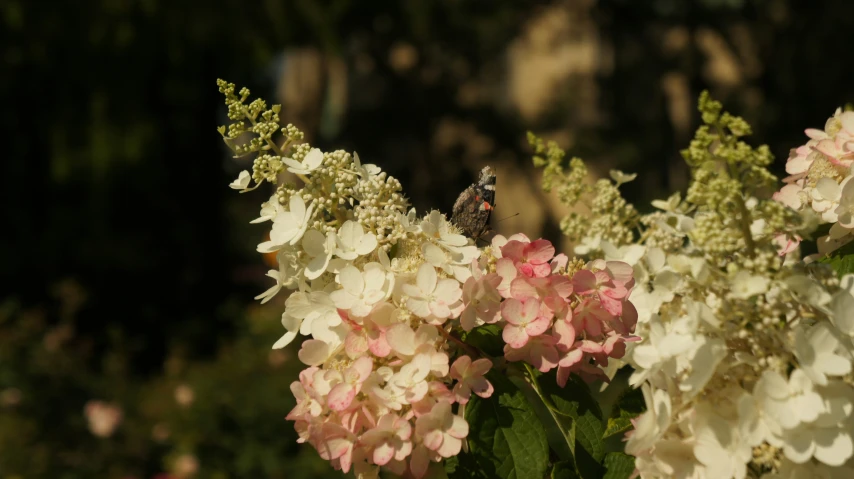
(472, 351)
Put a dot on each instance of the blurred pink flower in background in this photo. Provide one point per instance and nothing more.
(186, 465)
(103, 417)
(184, 395)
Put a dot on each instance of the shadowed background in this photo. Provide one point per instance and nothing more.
(128, 266)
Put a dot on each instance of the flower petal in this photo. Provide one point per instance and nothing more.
(313, 352)
(426, 278)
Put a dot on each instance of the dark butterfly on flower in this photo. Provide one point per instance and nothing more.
(475, 204)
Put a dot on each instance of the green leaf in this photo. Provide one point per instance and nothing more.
(555, 425)
(628, 406)
(564, 470)
(463, 466)
(574, 401)
(588, 433)
(619, 465)
(506, 439)
(841, 260)
(586, 465)
(486, 338)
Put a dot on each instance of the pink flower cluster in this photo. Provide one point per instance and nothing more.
(549, 319)
(398, 415)
(820, 180)
(385, 395)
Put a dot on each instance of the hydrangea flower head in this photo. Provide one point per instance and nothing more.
(382, 297)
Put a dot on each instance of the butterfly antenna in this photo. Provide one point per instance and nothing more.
(507, 217)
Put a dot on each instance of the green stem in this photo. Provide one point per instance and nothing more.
(532, 380)
(472, 351)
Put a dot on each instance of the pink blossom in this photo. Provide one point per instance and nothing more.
(103, 418)
(531, 259)
(589, 316)
(523, 321)
(588, 372)
(369, 333)
(564, 334)
(541, 288)
(308, 401)
(791, 195)
(419, 462)
(390, 439)
(481, 297)
(499, 241)
(558, 263)
(539, 351)
(336, 445)
(799, 158)
(506, 270)
(469, 376)
(341, 396)
(411, 379)
(610, 281)
(436, 391)
(442, 431)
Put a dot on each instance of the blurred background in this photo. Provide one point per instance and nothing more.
(130, 346)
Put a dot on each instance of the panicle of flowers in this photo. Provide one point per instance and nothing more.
(746, 358)
(608, 215)
(383, 296)
(819, 185)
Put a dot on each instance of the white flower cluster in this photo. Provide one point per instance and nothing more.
(742, 371)
(745, 361)
(821, 179)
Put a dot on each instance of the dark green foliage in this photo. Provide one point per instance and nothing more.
(506, 439)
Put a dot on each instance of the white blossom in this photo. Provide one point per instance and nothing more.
(288, 226)
(311, 162)
(816, 349)
(361, 290)
(352, 241)
(242, 181)
(431, 296)
(269, 210)
(320, 248)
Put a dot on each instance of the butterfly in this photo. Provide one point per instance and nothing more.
(475, 204)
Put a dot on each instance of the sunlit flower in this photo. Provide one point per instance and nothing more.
(390, 439)
(523, 321)
(288, 226)
(442, 431)
(269, 210)
(342, 394)
(816, 350)
(352, 241)
(319, 248)
(469, 376)
(361, 289)
(482, 301)
(242, 181)
(310, 163)
(410, 381)
(431, 296)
